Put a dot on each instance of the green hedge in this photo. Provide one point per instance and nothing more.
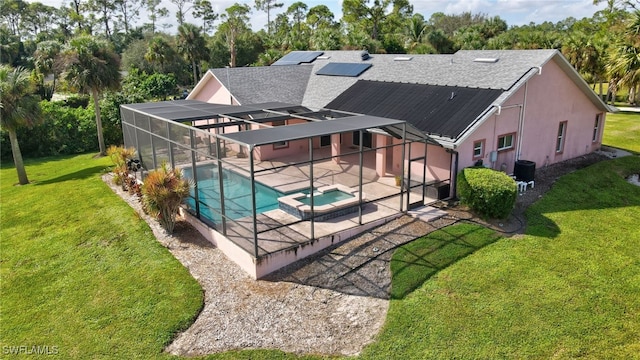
(68, 128)
(490, 193)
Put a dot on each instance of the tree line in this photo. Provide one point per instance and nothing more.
(85, 46)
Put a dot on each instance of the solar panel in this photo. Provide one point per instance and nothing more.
(344, 69)
(298, 57)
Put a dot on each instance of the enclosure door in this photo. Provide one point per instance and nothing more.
(416, 179)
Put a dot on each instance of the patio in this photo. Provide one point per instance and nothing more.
(262, 241)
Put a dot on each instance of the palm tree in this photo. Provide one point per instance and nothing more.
(92, 66)
(416, 30)
(192, 46)
(46, 57)
(624, 60)
(18, 107)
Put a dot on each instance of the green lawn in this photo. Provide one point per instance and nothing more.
(81, 272)
(569, 288)
(622, 130)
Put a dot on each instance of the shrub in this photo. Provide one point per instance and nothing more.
(121, 157)
(163, 191)
(490, 193)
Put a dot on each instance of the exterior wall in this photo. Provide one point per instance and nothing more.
(438, 161)
(213, 92)
(551, 98)
(268, 152)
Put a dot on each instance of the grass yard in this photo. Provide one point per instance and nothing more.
(622, 130)
(81, 272)
(569, 288)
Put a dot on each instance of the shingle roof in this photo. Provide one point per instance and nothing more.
(458, 69)
(253, 85)
(434, 109)
(299, 84)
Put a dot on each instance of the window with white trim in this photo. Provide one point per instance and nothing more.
(562, 134)
(478, 149)
(280, 144)
(505, 142)
(596, 128)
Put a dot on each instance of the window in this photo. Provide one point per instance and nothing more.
(596, 128)
(366, 139)
(280, 144)
(505, 142)
(478, 149)
(562, 133)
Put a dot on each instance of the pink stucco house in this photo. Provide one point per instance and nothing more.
(494, 107)
(292, 158)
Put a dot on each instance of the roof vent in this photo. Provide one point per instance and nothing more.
(486, 60)
(403, 58)
(364, 55)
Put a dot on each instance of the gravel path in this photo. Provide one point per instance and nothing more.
(334, 302)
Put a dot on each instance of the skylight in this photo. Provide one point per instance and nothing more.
(486, 60)
(403, 58)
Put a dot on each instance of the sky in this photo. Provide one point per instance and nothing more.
(514, 12)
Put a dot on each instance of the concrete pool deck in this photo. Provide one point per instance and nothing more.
(283, 238)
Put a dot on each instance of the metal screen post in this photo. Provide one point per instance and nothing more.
(253, 202)
(195, 176)
(171, 160)
(313, 213)
(408, 177)
(221, 187)
(361, 158)
(424, 173)
(404, 145)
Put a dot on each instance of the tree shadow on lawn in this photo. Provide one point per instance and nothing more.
(416, 262)
(603, 185)
(76, 175)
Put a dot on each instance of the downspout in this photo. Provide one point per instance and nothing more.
(521, 120)
(454, 177)
(522, 115)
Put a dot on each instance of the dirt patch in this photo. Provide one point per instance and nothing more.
(334, 302)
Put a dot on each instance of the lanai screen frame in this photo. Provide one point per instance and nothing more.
(175, 113)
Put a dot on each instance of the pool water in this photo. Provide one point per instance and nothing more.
(237, 194)
(325, 198)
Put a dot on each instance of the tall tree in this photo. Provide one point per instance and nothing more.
(204, 10)
(155, 12)
(104, 10)
(192, 46)
(373, 17)
(320, 17)
(266, 6)
(92, 66)
(235, 21)
(183, 8)
(129, 10)
(18, 108)
(11, 12)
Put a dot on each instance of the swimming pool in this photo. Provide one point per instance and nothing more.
(237, 194)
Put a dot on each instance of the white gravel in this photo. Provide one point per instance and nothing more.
(241, 313)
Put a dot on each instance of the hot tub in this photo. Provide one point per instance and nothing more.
(329, 202)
